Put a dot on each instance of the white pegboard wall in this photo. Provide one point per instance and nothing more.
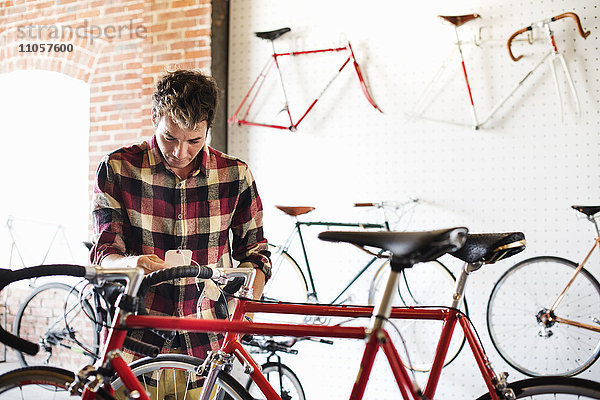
(522, 171)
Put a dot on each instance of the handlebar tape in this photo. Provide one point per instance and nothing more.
(8, 276)
(364, 204)
(184, 271)
(584, 34)
(156, 277)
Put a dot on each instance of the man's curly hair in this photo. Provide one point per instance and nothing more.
(188, 97)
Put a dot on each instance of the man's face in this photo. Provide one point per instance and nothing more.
(179, 146)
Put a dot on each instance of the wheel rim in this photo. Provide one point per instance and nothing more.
(526, 335)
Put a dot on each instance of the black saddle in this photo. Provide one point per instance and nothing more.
(272, 35)
(490, 247)
(407, 248)
(587, 210)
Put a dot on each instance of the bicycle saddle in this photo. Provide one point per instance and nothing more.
(407, 248)
(490, 247)
(295, 211)
(272, 35)
(587, 210)
(458, 20)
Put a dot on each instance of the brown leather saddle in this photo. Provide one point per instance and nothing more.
(458, 20)
(295, 211)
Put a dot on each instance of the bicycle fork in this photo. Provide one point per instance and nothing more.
(557, 54)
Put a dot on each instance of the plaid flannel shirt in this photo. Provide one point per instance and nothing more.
(141, 207)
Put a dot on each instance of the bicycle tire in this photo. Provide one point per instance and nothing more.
(287, 283)
(562, 388)
(426, 284)
(37, 383)
(517, 298)
(57, 347)
(146, 368)
(289, 387)
(285, 269)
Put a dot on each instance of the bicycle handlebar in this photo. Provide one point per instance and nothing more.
(575, 17)
(8, 276)
(394, 204)
(183, 271)
(96, 273)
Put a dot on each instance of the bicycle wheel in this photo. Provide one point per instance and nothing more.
(426, 284)
(52, 316)
(40, 383)
(556, 388)
(283, 380)
(175, 375)
(287, 283)
(522, 295)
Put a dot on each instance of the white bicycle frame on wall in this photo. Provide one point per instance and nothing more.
(552, 55)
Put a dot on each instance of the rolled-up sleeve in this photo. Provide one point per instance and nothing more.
(249, 245)
(108, 217)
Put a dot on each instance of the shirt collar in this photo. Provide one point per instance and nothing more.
(157, 161)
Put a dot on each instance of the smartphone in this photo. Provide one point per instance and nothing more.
(178, 257)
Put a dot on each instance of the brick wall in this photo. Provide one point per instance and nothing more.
(119, 47)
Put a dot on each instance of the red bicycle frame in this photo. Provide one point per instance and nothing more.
(250, 97)
(376, 339)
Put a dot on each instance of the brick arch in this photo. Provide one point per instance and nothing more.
(80, 63)
(120, 69)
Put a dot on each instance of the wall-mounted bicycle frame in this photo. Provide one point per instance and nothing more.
(241, 114)
(552, 55)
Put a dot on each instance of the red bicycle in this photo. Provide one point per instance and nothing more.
(211, 378)
(242, 115)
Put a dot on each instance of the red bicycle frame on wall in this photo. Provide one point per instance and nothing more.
(241, 114)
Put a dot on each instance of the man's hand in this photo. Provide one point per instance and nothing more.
(147, 262)
(150, 263)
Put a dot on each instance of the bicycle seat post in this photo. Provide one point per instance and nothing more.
(383, 309)
(461, 283)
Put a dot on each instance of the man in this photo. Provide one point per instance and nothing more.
(172, 192)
